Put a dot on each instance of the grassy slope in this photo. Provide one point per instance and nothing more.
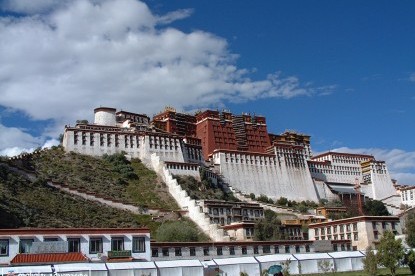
(27, 204)
(98, 175)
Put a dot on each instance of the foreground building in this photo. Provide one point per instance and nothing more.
(25, 246)
(362, 231)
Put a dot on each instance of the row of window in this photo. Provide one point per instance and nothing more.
(74, 245)
(266, 249)
(238, 212)
(334, 228)
(339, 237)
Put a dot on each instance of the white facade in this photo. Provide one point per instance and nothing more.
(100, 140)
(407, 195)
(93, 243)
(362, 231)
(271, 175)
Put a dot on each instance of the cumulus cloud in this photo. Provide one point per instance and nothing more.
(89, 53)
(14, 141)
(401, 164)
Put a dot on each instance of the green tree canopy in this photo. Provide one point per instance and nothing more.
(375, 208)
(390, 252)
(177, 231)
(268, 228)
(410, 229)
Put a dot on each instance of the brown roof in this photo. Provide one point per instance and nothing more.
(46, 258)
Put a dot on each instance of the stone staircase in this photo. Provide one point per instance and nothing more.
(185, 202)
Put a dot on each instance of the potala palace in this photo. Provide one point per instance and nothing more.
(236, 150)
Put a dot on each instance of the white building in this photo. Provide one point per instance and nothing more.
(348, 169)
(362, 231)
(57, 245)
(116, 132)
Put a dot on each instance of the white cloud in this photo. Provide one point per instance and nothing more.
(401, 164)
(31, 6)
(173, 16)
(14, 141)
(412, 77)
(84, 54)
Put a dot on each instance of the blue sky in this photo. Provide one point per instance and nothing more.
(340, 71)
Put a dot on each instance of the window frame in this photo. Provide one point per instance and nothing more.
(25, 240)
(70, 240)
(100, 243)
(117, 239)
(136, 247)
(7, 247)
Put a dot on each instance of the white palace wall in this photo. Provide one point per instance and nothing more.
(263, 174)
(136, 145)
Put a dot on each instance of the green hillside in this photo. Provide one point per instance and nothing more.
(24, 203)
(112, 177)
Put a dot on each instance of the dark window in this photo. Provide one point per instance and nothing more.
(287, 249)
(4, 247)
(266, 249)
(219, 251)
(139, 244)
(277, 249)
(256, 251)
(244, 251)
(231, 250)
(154, 252)
(206, 251)
(25, 245)
(192, 251)
(178, 251)
(74, 245)
(297, 249)
(334, 247)
(165, 252)
(307, 248)
(117, 244)
(95, 245)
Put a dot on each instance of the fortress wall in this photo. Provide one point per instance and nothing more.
(382, 185)
(324, 192)
(264, 175)
(98, 144)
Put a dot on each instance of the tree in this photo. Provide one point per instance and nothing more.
(375, 208)
(410, 229)
(410, 261)
(390, 252)
(268, 228)
(370, 263)
(177, 231)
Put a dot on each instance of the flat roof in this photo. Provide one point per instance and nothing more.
(78, 231)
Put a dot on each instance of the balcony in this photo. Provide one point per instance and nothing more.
(119, 254)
